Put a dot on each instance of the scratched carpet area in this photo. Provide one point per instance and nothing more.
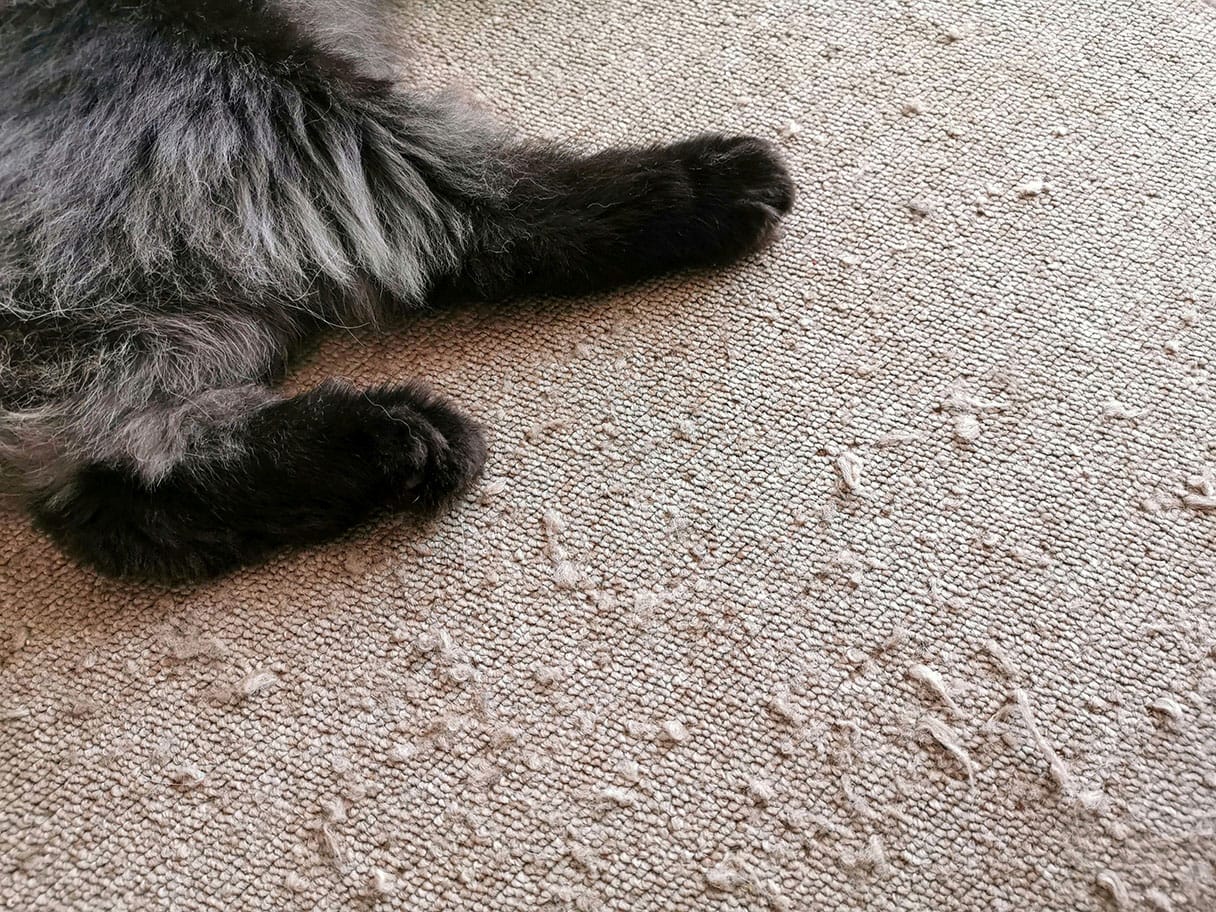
(876, 573)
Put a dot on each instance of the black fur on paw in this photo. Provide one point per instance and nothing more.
(741, 189)
(437, 451)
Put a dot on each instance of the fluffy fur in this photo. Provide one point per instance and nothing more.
(189, 189)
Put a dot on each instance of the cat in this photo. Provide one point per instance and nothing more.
(192, 189)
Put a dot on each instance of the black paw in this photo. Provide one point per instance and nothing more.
(436, 452)
(740, 189)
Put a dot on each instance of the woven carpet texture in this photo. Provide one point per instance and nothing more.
(876, 573)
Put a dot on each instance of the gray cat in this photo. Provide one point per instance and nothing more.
(191, 189)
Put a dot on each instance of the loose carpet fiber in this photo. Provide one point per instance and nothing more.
(876, 573)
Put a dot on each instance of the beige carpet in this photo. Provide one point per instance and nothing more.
(879, 573)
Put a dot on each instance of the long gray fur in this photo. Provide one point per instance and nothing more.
(138, 213)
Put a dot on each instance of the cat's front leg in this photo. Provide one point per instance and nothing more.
(568, 224)
(292, 472)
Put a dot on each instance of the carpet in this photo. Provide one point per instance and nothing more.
(878, 572)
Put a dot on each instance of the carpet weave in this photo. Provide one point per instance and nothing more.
(876, 573)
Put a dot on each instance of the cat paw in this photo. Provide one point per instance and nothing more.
(741, 189)
(441, 451)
